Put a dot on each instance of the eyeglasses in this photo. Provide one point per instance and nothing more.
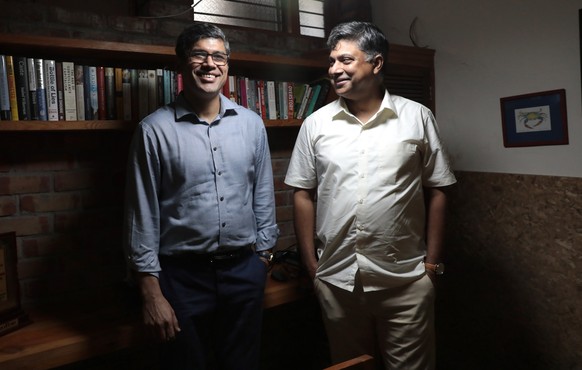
(201, 56)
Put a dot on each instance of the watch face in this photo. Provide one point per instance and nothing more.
(440, 268)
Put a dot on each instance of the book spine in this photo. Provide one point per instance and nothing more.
(232, 88)
(52, 103)
(41, 89)
(69, 91)
(60, 90)
(152, 90)
(143, 93)
(134, 78)
(304, 101)
(262, 97)
(118, 93)
(160, 87)
(290, 101)
(168, 87)
(5, 113)
(12, 88)
(21, 79)
(126, 93)
(101, 98)
(32, 95)
(242, 86)
(93, 100)
(313, 99)
(282, 101)
(271, 100)
(110, 92)
(80, 92)
(323, 93)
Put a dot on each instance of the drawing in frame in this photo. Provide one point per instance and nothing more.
(535, 119)
(12, 316)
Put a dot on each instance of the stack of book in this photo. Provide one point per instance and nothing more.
(277, 99)
(49, 90)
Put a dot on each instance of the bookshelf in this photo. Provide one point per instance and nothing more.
(128, 55)
(410, 71)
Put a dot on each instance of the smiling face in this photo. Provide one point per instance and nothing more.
(203, 79)
(352, 75)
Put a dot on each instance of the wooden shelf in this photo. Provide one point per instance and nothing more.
(61, 337)
(114, 125)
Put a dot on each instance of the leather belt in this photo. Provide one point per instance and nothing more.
(222, 256)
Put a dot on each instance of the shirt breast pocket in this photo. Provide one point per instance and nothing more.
(397, 160)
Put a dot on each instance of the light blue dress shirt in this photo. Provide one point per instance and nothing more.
(200, 187)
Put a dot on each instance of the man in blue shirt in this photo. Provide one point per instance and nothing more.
(200, 215)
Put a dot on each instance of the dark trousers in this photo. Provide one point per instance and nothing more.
(218, 304)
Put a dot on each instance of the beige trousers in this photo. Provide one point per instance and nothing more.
(394, 325)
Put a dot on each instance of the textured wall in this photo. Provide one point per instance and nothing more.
(512, 294)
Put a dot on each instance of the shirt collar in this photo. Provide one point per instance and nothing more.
(185, 113)
(340, 108)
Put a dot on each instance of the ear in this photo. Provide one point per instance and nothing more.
(378, 63)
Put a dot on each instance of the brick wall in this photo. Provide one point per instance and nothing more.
(62, 192)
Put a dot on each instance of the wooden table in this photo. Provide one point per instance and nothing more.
(57, 337)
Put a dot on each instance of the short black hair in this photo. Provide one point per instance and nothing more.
(195, 32)
(370, 39)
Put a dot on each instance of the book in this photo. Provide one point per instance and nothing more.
(323, 94)
(12, 88)
(21, 80)
(160, 87)
(110, 93)
(5, 113)
(152, 101)
(298, 92)
(168, 86)
(69, 96)
(271, 100)
(118, 93)
(52, 102)
(290, 100)
(101, 98)
(232, 88)
(80, 91)
(262, 99)
(242, 88)
(32, 95)
(282, 99)
(126, 93)
(304, 101)
(91, 101)
(143, 83)
(41, 89)
(134, 94)
(312, 99)
(60, 90)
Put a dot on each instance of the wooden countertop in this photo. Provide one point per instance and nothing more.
(57, 337)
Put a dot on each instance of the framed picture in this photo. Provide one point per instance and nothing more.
(12, 316)
(535, 119)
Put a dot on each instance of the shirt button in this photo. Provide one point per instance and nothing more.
(221, 199)
(219, 173)
(215, 148)
(361, 201)
(223, 224)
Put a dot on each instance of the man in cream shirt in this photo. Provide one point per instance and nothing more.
(369, 172)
